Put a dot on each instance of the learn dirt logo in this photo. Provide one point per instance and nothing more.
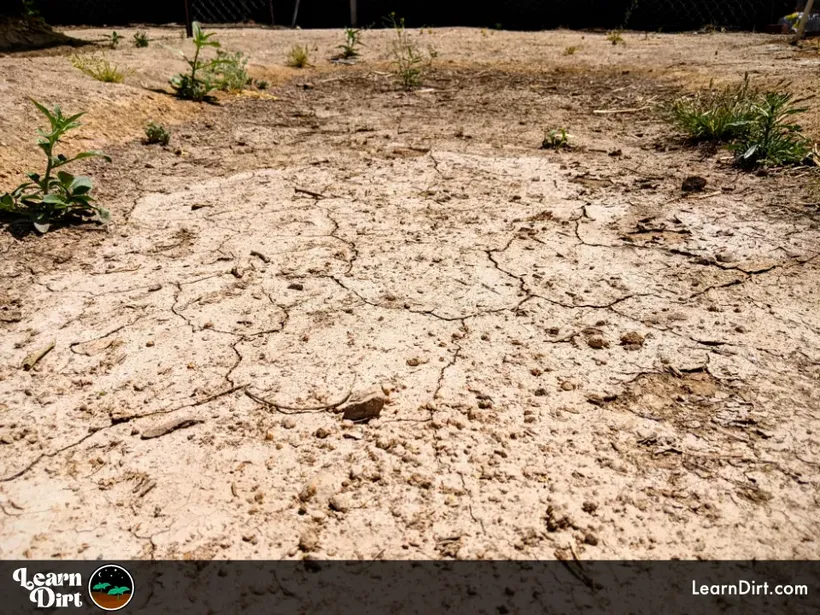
(41, 587)
(111, 587)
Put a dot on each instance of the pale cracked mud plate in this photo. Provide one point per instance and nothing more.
(496, 324)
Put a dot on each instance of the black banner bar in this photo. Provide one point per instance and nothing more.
(453, 587)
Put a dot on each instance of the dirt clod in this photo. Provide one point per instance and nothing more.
(725, 257)
(597, 342)
(309, 541)
(693, 183)
(589, 507)
(632, 338)
(307, 492)
(556, 522)
(339, 503)
(364, 406)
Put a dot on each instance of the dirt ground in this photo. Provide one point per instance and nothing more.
(580, 360)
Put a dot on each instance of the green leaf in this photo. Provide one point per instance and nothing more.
(42, 108)
(53, 199)
(92, 154)
(19, 190)
(749, 152)
(73, 119)
(80, 185)
(44, 111)
(82, 201)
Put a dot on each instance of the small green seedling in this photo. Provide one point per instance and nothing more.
(557, 138)
(350, 48)
(197, 85)
(569, 51)
(299, 57)
(55, 196)
(157, 134)
(141, 39)
(616, 37)
(114, 40)
(409, 65)
(229, 71)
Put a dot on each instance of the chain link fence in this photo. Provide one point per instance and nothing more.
(667, 15)
(693, 14)
(232, 11)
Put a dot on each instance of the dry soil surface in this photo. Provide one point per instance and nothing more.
(577, 357)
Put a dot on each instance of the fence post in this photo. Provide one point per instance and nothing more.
(353, 13)
(189, 28)
(801, 28)
(272, 20)
(295, 14)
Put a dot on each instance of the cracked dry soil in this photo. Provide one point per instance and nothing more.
(579, 357)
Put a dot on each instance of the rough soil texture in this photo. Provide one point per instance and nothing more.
(577, 356)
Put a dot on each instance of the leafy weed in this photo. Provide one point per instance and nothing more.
(557, 138)
(197, 84)
(772, 138)
(229, 72)
(54, 196)
(141, 39)
(616, 37)
(114, 40)
(409, 64)
(350, 48)
(157, 134)
(716, 115)
(759, 127)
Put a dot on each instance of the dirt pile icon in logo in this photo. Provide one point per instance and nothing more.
(111, 587)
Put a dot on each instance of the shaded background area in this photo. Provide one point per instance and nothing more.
(509, 14)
